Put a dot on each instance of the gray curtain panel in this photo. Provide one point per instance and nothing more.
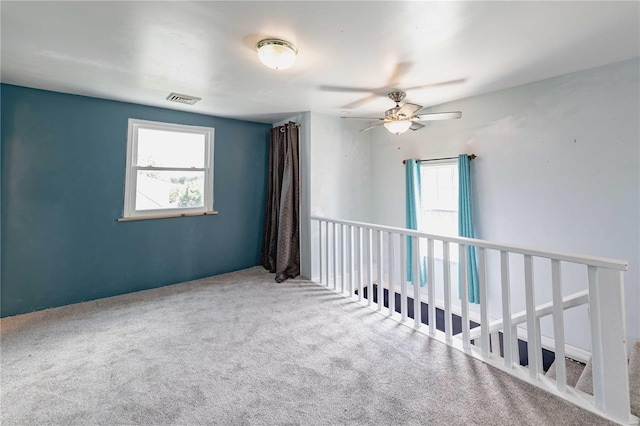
(281, 239)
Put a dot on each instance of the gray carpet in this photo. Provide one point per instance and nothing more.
(242, 349)
(634, 377)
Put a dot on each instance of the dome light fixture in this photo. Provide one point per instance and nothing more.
(277, 54)
(399, 126)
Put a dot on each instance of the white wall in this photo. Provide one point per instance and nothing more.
(558, 168)
(340, 170)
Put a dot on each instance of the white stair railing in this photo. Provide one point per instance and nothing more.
(353, 259)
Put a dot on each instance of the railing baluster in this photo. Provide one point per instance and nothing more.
(392, 292)
(506, 309)
(558, 326)
(417, 308)
(431, 288)
(403, 277)
(360, 264)
(380, 270)
(532, 339)
(343, 263)
(446, 274)
(370, 266)
(352, 267)
(344, 257)
(320, 248)
(335, 256)
(464, 296)
(326, 253)
(484, 312)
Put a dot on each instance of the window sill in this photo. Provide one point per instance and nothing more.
(164, 216)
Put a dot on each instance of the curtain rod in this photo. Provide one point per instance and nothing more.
(283, 126)
(471, 157)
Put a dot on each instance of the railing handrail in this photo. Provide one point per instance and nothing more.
(601, 262)
(576, 299)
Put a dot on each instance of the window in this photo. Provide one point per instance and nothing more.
(439, 202)
(439, 186)
(169, 170)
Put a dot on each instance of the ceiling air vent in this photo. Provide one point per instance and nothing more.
(183, 99)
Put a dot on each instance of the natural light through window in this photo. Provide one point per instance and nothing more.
(169, 169)
(439, 202)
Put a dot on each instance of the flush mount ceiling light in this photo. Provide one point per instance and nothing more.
(276, 54)
(398, 127)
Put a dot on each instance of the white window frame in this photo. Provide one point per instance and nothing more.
(132, 171)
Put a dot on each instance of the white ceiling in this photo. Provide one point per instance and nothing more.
(141, 51)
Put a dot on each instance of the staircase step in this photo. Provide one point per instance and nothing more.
(574, 369)
(580, 376)
(634, 378)
(585, 382)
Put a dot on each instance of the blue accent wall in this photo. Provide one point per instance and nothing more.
(63, 169)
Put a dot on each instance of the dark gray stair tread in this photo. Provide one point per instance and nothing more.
(574, 370)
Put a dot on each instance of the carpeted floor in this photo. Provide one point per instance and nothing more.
(242, 349)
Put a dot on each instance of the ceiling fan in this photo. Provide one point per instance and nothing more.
(399, 119)
(393, 85)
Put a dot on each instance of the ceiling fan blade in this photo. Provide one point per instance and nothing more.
(408, 110)
(438, 116)
(345, 89)
(360, 102)
(371, 127)
(442, 83)
(399, 72)
(363, 118)
(416, 126)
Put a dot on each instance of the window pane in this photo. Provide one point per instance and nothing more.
(439, 185)
(169, 190)
(170, 149)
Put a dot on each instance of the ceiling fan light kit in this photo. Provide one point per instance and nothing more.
(399, 119)
(398, 127)
(276, 54)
